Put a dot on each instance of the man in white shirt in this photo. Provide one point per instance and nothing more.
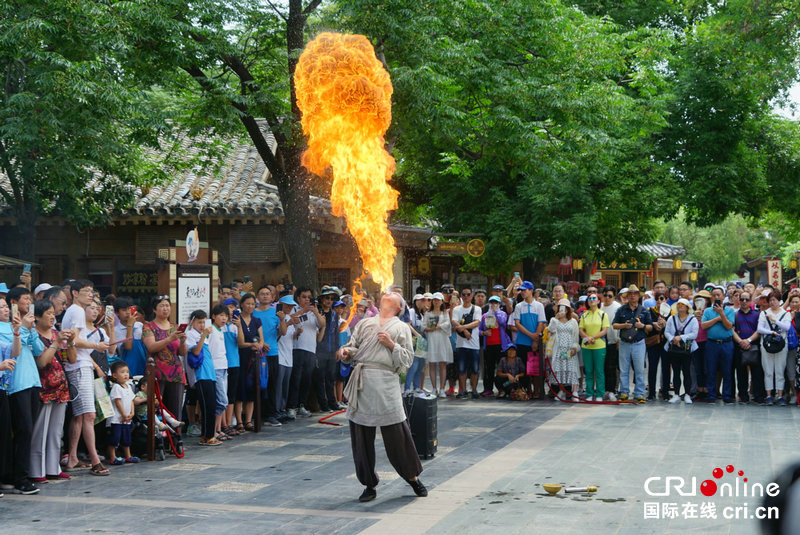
(610, 306)
(81, 376)
(307, 333)
(466, 321)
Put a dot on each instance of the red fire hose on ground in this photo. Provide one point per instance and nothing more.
(324, 419)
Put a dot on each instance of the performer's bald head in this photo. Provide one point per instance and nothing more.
(391, 303)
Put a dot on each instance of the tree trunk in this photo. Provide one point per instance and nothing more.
(532, 270)
(293, 188)
(26, 229)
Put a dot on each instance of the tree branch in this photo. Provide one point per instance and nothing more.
(277, 11)
(314, 4)
(16, 200)
(249, 122)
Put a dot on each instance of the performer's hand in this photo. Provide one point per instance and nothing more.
(342, 354)
(385, 339)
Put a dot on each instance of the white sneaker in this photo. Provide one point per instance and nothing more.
(675, 398)
(687, 399)
(442, 394)
(590, 398)
(561, 395)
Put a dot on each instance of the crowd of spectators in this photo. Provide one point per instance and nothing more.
(72, 362)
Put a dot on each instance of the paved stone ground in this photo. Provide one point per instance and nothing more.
(493, 458)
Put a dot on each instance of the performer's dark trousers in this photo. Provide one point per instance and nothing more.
(399, 446)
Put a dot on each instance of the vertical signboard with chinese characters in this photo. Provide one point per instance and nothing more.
(194, 293)
(775, 274)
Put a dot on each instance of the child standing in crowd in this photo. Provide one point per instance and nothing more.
(200, 360)
(122, 421)
(341, 309)
(126, 328)
(285, 351)
(216, 344)
(231, 334)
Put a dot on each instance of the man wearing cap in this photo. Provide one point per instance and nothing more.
(610, 306)
(38, 292)
(496, 341)
(529, 322)
(380, 349)
(270, 328)
(634, 324)
(283, 310)
(718, 322)
(307, 332)
(327, 346)
(497, 291)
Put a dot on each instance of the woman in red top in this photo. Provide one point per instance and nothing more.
(49, 426)
(166, 345)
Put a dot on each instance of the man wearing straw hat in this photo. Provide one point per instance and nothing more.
(634, 324)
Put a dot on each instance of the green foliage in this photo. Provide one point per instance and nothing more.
(529, 122)
(723, 247)
(723, 140)
(74, 129)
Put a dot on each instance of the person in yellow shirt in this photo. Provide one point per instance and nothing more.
(593, 327)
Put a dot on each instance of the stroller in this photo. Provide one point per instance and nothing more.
(166, 440)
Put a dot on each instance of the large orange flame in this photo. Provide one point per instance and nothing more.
(345, 96)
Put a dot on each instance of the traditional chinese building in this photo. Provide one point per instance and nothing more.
(237, 213)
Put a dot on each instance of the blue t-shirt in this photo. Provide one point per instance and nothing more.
(6, 332)
(718, 331)
(204, 371)
(5, 353)
(26, 373)
(529, 315)
(231, 345)
(269, 326)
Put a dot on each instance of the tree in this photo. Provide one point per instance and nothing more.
(531, 123)
(227, 65)
(73, 128)
(730, 63)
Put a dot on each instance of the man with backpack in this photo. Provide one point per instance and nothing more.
(466, 320)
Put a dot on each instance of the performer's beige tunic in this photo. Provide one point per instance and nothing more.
(373, 391)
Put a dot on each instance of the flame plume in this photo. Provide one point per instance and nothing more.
(345, 96)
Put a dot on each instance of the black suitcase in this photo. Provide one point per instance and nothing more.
(421, 412)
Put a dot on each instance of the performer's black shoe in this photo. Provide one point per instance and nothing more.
(419, 488)
(369, 494)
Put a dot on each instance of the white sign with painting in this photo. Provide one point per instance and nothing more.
(194, 293)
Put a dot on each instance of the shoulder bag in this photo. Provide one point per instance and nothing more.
(773, 343)
(684, 348)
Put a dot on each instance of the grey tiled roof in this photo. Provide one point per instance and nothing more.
(238, 189)
(662, 250)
